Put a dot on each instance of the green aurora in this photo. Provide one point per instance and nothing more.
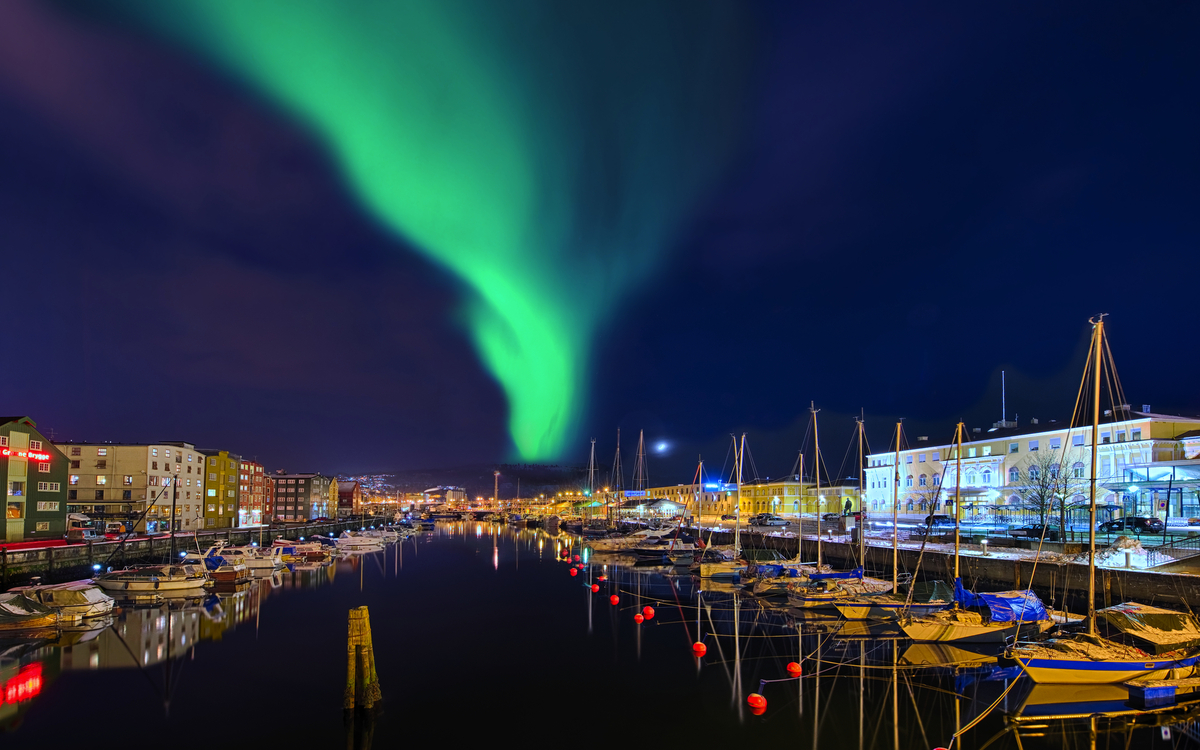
(545, 152)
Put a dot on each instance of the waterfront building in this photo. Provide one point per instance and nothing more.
(134, 483)
(221, 489)
(349, 498)
(1145, 459)
(303, 497)
(252, 490)
(34, 473)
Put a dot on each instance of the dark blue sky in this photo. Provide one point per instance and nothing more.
(923, 196)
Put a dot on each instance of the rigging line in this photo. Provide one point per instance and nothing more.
(753, 468)
(796, 465)
(849, 447)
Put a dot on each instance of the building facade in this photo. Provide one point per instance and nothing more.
(221, 489)
(34, 473)
(350, 498)
(1143, 458)
(253, 488)
(303, 497)
(135, 484)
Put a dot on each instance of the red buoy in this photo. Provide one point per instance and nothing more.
(574, 572)
(648, 611)
(614, 599)
(699, 649)
(794, 669)
(595, 588)
(579, 565)
(601, 578)
(756, 701)
(576, 558)
(758, 711)
(638, 619)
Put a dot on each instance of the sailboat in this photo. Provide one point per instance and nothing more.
(724, 563)
(1087, 658)
(1010, 614)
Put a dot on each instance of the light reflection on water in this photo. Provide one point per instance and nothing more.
(484, 618)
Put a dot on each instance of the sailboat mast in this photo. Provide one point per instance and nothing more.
(817, 475)
(862, 509)
(1097, 337)
(896, 512)
(737, 522)
(957, 486)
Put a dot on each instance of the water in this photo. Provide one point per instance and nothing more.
(481, 635)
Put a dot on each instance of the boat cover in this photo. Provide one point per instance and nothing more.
(931, 591)
(1005, 606)
(1156, 629)
(856, 573)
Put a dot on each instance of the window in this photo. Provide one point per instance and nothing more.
(1034, 473)
(229, 493)
(212, 493)
(1014, 475)
(212, 508)
(908, 481)
(987, 450)
(211, 521)
(1077, 440)
(167, 452)
(75, 449)
(101, 479)
(152, 481)
(1120, 436)
(1014, 447)
(908, 459)
(921, 458)
(1136, 434)
(4, 441)
(127, 495)
(44, 467)
(47, 506)
(154, 465)
(934, 456)
(1077, 470)
(99, 494)
(986, 477)
(212, 477)
(921, 480)
(42, 525)
(154, 451)
(937, 480)
(35, 445)
(1106, 437)
(1055, 443)
(971, 478)
(1033, 445)
(74, 464)
(49, 487)
(128, 480)
(102, 451)
(970, 453)
(72, 494)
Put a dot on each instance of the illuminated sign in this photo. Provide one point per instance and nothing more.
(24, 454)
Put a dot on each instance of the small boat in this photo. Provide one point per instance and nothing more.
(294, 552)
(78, 599)
(627, 541)
(154, 578)
(679, 548)
(19, 612)
(1010, 615)
(258, 559)
(925, 600)
(353, 542)
(825, 590)
(223, 566)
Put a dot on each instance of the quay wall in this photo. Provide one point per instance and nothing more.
(75, 561)
(1059, 584)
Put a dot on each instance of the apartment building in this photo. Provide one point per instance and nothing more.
(254, 490)
(303, 497)
(221, 489)
(135, 483)
(1148, 463)
(34, 474)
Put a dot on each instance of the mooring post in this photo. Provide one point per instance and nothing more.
(362, 683)
(4, 567)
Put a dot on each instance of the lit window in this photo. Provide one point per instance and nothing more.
(1120, 436)
(970, 453)
(74, 479)
(1077, 440)
(1077, 470)
(42, 525)
(101, 479)
(1105, 437)
(921, 458)
(922, 480)
(1055, 443)
(75, 450)
(212, 508)
(1014, 475)
(1014, 447)
(128, 480)
(154, 451)
(1136, 434)
(102, 451)
(987, 450)
(44, 468)
(212, 493)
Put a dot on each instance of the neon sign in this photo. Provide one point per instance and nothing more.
(24, 454)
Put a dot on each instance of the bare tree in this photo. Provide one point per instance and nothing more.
(1046, 481)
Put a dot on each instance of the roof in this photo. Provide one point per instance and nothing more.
(1188, 434)
(6, 420)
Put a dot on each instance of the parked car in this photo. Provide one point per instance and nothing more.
(728, 517)
(939, 521)
(80, 535)
(1036, 531)
(831, 516)
(1136, 524)
(768, 519)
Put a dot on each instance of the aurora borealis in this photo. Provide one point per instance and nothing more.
(545, 153)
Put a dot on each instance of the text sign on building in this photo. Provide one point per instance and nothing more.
(25, 454)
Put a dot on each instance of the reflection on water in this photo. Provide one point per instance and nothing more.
(469, 593)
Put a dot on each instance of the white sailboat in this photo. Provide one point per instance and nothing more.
(1087, 658)
(725, 564)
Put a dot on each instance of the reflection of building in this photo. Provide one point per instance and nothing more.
(21, 681)
(1141, 455)
(140, 638)
(34, 474)
(221, 489)
(117, 481)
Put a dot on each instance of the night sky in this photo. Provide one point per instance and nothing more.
(900, 202)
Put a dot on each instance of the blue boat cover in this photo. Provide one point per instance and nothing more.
(1005, 606)
(856, 573)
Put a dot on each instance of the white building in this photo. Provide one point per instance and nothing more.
(1149, 464)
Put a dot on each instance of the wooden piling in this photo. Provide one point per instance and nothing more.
(362, 683)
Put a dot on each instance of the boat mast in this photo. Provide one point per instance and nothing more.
(1097, 336)
(862, 510)
(896, 512)
(957, 486)
(737, 518)
(817, 475)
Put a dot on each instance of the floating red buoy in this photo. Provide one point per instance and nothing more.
(576, 558)
(794, 669)
(699, 649)
(601, 578)
(579, 565)
(758, 711)
(574, 572)
(756, 701)
(648, 611)
(638, 619)
(595, 588)
(614, 599)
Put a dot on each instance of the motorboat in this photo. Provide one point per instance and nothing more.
(358, 542)
(19, 612)
(982, 618)
(677, 548)
(295, 552)
(76, 600)
(626, 542)
(258, 559)
(925, 599)
(825, 590)
(155, 578)
(223, 566)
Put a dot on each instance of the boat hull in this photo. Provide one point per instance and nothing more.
(958, 632)
(1087, 672)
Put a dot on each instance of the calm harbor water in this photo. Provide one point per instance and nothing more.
(480, 632)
